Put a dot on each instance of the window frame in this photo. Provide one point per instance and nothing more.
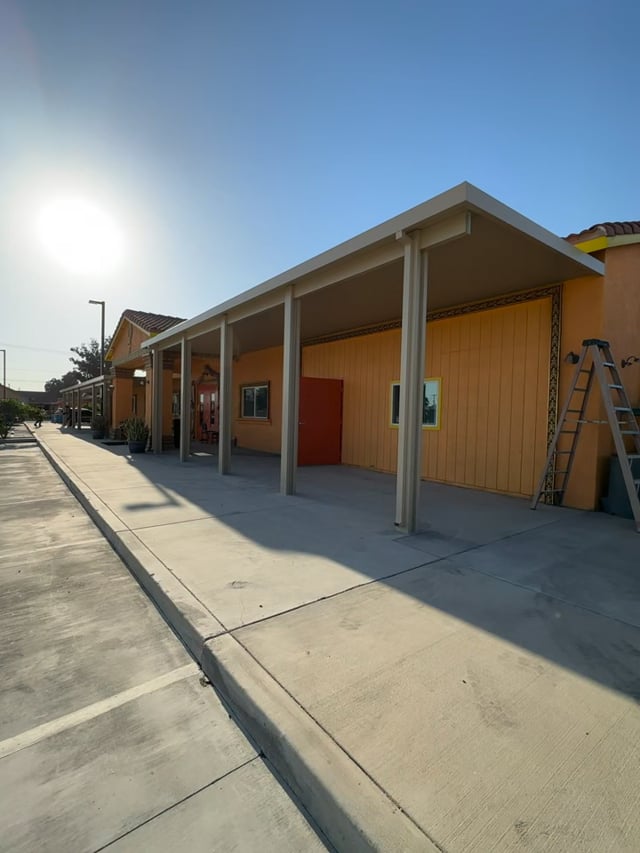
(254, 387)
(429, 379)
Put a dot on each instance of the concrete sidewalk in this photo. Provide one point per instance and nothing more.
(473, 687)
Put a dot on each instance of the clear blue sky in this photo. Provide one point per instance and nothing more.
(234, 140)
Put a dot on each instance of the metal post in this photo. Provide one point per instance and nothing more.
(290, 385)
(185, 399)
(225, 403)
(156, 402)
(105, 392)
(414, 320)
(4, 373)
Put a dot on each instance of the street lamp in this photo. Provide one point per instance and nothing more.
(102, 369)
(98, 302)
(4, 373)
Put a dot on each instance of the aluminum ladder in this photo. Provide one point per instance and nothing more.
(620, 418)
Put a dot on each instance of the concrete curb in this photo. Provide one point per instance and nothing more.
(190, 619)
(352, 811)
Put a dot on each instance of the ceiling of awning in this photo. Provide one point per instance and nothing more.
(503, 253)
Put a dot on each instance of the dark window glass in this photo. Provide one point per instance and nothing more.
(262, 402)
(248, 402)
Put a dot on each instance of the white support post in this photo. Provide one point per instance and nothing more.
(93, 401)
(76, 409)
(156, 402)
(414, 321)
(225, 403)
(290, 391)
(185, 399)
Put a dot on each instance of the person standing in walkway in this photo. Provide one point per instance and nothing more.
(38, 419)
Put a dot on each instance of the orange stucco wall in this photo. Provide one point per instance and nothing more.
(621, 327)
(251, 369)
(128, 339)
(607, 308)
(494, 371)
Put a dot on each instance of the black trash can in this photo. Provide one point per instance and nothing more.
(617, 499)
(176, 432)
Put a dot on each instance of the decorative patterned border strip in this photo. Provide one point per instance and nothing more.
(554, 384)
(445, 313)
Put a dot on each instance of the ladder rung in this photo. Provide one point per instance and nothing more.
(584, 370)
(558, 452)
(580, 389)
(574, 411)
(621, 409)
(608, 364)
(617, 387)
(630, 431)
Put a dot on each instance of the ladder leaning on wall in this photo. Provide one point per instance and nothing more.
(620, 418)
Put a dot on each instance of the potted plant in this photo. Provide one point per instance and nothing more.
(137, 433)
(98, 426)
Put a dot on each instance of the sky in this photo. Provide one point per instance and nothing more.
(228, 142)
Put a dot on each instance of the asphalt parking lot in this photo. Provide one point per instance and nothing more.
(108, 737)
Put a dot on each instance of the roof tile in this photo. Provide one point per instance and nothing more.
(152, 323)
(605, 229)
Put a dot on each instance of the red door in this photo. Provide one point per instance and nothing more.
(320, 422)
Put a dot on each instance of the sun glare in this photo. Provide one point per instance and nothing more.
(80, 236)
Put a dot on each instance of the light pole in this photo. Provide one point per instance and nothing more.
(4, 373)
(102, 370)
(101, 303)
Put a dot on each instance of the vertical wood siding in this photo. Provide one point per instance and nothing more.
(494, 367)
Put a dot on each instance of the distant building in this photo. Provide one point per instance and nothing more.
(46, 400)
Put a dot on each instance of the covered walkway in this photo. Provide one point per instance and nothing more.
(461, 248)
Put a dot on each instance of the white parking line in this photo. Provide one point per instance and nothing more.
(90, 712)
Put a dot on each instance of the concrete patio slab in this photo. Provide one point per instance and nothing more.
(256, 564)
(573, 561)
(472, 702)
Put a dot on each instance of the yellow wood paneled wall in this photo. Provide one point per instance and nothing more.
(494, 367)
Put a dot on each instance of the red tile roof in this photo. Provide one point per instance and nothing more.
(152, 323)
(605, 229)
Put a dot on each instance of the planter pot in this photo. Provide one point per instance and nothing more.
(138, 446)
(97, 433)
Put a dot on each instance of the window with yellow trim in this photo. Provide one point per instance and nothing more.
(430, 404)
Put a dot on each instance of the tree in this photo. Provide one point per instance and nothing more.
(55, 386)
(11, 411)
(86, 363)
(87, 358)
